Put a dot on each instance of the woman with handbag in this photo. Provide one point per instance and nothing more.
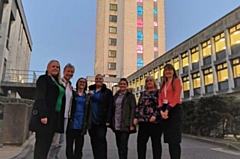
(48, 109)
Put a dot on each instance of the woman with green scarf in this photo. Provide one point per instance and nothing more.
(48, 109)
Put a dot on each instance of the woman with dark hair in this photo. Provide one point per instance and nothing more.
(79, 121)
(171, 110)
(48, 109)
(148, 118)
(123, 115)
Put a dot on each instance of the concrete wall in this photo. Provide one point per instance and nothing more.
(14, 31)
(16, 119)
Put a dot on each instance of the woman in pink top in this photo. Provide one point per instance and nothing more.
(171, 110)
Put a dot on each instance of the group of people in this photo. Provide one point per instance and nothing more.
(61, 112)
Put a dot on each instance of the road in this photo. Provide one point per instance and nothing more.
(191, 149)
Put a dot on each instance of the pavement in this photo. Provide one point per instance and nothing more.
(24, 151)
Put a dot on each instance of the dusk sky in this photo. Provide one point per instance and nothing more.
(65, 30)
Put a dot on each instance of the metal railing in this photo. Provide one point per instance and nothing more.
(21, 76)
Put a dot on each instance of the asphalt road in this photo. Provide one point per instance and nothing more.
(191, 149)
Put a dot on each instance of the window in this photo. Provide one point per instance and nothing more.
(176, 63)
(140, 10)
(112, 41)
(113, 30)
(185, 59)
(156, 73)
(186, 85)
(222, 72)
(155, 23)
(112, 53)
(236, 68)
(206, 48)
(196, 80)
(155, 11)
(139, 23)
(219, 43)
(155, 36)
(161, 70)
(140, 35)
(195, 55)
(112, 18)
(235, 35)
(140, 62)
(139, 49)
(208, 76)
(111, 66)
(113, 7)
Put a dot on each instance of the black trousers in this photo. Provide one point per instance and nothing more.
(122, 144)
(145, 131)
(42, 144)
(74, 136)
(173, 131)
(98, 141)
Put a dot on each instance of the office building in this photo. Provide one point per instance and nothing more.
(129, 35)
(207, 63)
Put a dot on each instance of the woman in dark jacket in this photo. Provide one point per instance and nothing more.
(79, 120)
(48, 109)
(123, 116)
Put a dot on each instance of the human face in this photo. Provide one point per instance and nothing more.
(81, 84)
(54, 68)
(149, 83)
(68, 73)
(99, 80)
(122, 85)
(168, 73)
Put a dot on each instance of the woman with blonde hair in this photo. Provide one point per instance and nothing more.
(171, 110)
(146, 114)
(48, 109)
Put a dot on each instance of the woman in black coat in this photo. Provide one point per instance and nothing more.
(48, 109)
(123, 117)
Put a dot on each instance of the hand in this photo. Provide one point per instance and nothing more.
(132, 128)
(163, 114)
(166, 112)
(135, 121)
(107, 124)
(152, 119)
(44, 120)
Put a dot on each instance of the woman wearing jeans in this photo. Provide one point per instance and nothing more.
(148, 118)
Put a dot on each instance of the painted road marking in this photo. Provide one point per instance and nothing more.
(226, 151)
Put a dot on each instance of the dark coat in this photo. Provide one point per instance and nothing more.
(128, 111)
(44, 107)
(105, 104)
(87, 120)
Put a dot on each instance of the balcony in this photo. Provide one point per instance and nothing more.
(186, 94)
(235, 49)
(223, 85)
(185, 69)
(195, 66)
(197, 91)
(237, 82)
(209, 88)
(207, 60)
(221, 55)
